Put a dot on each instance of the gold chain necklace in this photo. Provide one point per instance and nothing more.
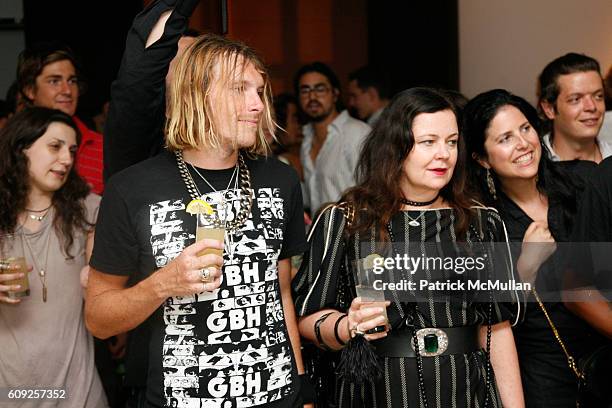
(244, 177)
(42, 272)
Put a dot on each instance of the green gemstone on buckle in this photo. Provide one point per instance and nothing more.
(431, 343)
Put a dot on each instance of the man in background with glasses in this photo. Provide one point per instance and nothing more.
(332, 138)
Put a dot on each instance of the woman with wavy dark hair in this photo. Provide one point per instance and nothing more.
(48, 209)
(538, 200)
(435, 346)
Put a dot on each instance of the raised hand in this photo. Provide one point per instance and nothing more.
(538, 245)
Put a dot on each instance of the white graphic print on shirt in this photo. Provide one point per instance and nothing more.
(228, 348)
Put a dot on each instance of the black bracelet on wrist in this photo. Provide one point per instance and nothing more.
(317, 329)
(338, 339)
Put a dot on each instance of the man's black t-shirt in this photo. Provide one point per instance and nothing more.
(225, 348)
(594, 221)
(593, 259)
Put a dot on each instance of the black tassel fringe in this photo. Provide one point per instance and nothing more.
(359, 362)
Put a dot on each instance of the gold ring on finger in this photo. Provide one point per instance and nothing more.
(205, 275)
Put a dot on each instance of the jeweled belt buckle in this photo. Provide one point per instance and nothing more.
(432, 342)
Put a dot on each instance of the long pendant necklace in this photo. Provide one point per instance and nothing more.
(229, 235)
(42, 272)
(223, 202)
(210, 185)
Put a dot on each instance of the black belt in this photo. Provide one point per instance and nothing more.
(432, 342)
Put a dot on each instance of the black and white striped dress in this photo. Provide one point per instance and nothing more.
(456, 380)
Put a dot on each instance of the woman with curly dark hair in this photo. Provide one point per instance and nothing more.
(47, 207)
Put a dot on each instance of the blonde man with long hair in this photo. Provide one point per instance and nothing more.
(223, 328)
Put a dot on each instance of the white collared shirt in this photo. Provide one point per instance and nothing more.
(334, 170)
(605, 148)
(605, 133)
(374, 117)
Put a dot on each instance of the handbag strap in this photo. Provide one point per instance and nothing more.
(570, 360)
(347, 211)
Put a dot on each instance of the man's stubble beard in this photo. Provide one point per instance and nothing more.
(321, 117)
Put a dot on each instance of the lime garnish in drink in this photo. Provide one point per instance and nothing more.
(369, 261)
(198, 206)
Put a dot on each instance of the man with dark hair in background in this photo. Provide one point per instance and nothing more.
(571, 98)
(48, 75)
(332, 139)
(368, 94)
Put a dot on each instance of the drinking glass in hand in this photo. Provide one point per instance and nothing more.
(12, 261)
(364, 286)
(204, 231)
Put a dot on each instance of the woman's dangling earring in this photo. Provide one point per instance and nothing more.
(491, 185)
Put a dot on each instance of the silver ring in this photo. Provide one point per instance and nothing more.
(355, 329)
(205, 275)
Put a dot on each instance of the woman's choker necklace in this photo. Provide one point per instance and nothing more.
(33, 213)
(418, 203)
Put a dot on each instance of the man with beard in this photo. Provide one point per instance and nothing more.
(332, 139)
(147, 271)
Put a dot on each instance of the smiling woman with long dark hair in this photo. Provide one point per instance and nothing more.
(538, 200)
(435, 348)
(48, 209)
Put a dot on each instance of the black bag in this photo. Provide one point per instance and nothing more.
(593, 371)
(595, 385)
(320, 366)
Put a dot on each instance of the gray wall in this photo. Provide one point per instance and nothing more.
(506, 44)
(12, 42)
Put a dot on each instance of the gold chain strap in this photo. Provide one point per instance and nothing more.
(347, 211)
(570, 360)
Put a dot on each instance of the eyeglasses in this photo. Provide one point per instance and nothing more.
(319, 90)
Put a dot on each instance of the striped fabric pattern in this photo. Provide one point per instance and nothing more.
(450, 380)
